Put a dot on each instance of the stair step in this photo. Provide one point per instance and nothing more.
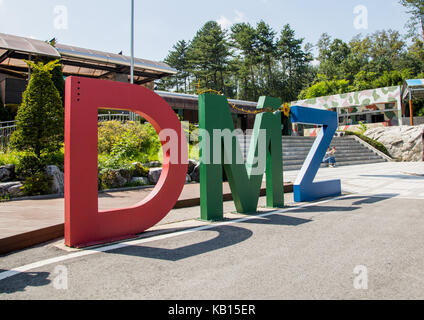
(339, 164)
(345, 156)
(338, 160)
(296, 149)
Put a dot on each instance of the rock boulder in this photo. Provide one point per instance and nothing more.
(403, 143)
(58, 179)
(7, 173)
(154, 175)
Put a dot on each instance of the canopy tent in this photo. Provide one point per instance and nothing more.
(94, 63)
(76, 61)
(413, 90)
(13, 51)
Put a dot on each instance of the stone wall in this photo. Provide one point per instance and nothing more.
(404, 143)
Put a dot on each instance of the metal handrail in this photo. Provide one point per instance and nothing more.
(8, 127)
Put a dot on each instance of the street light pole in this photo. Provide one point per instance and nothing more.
(132, 115)
(132, 41)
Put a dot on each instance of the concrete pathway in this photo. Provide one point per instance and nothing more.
(17, 217)
(399, 179)
(305, 251)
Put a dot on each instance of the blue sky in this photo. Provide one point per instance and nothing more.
(105, 24)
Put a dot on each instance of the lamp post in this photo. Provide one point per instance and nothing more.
(132, 41)
(132, 115)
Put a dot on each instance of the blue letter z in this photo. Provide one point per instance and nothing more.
(304, 188)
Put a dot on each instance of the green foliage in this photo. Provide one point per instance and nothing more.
(108, 178)
(8, 158)
(59, 81)
(40, 118)
(378, 145)
(29, 164)
(325, 88)
(56, 158)
(244, 63)
(37, 184)
(249, 61)
(416, 23)
(208, 56)
(122, 144)
(31, 169)
(177, 58)
(362, 127)
(140, 171)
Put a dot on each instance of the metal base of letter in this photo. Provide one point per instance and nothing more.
(317, 190)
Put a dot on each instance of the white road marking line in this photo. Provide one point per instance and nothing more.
(82, 253)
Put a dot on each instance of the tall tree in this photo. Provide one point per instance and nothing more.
(267, 51)
(333, 55)
(178, 59)
(245, 40)
(416, 9)
(295, 64)
(40, 118)
(209, 54)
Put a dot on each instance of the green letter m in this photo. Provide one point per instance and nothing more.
(244, 178)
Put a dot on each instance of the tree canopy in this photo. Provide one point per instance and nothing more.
(248, 61)
(40, 118)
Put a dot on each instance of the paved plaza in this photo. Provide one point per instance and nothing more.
(304, 251)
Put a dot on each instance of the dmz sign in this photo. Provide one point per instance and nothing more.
(86, 225)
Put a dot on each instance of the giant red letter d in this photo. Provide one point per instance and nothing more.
(84, 223)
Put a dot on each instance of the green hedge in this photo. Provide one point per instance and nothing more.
(378, 145)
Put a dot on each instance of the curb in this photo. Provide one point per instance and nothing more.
(36, 237)
(61, 195)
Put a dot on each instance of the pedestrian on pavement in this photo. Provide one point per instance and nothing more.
(330, 158)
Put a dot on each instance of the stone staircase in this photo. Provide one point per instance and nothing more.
(348, 151)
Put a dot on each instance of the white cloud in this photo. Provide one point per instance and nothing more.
(226, 23)
(240, 17)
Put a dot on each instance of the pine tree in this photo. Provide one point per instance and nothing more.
(40, 118)
(177, 58)
(416, 9)
(209, 55)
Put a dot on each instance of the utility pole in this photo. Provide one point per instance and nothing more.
(132, 41)
(132, 115)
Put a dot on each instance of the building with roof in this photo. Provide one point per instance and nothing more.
(76, 61)
(375, 107)
(14, 72)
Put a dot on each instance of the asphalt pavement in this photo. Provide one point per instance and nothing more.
(364, 245)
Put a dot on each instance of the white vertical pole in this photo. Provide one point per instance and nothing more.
(132, 41)
(132, 115)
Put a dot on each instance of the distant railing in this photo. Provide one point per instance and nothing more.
(6, 130)
(122, 117)
(8, 127)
